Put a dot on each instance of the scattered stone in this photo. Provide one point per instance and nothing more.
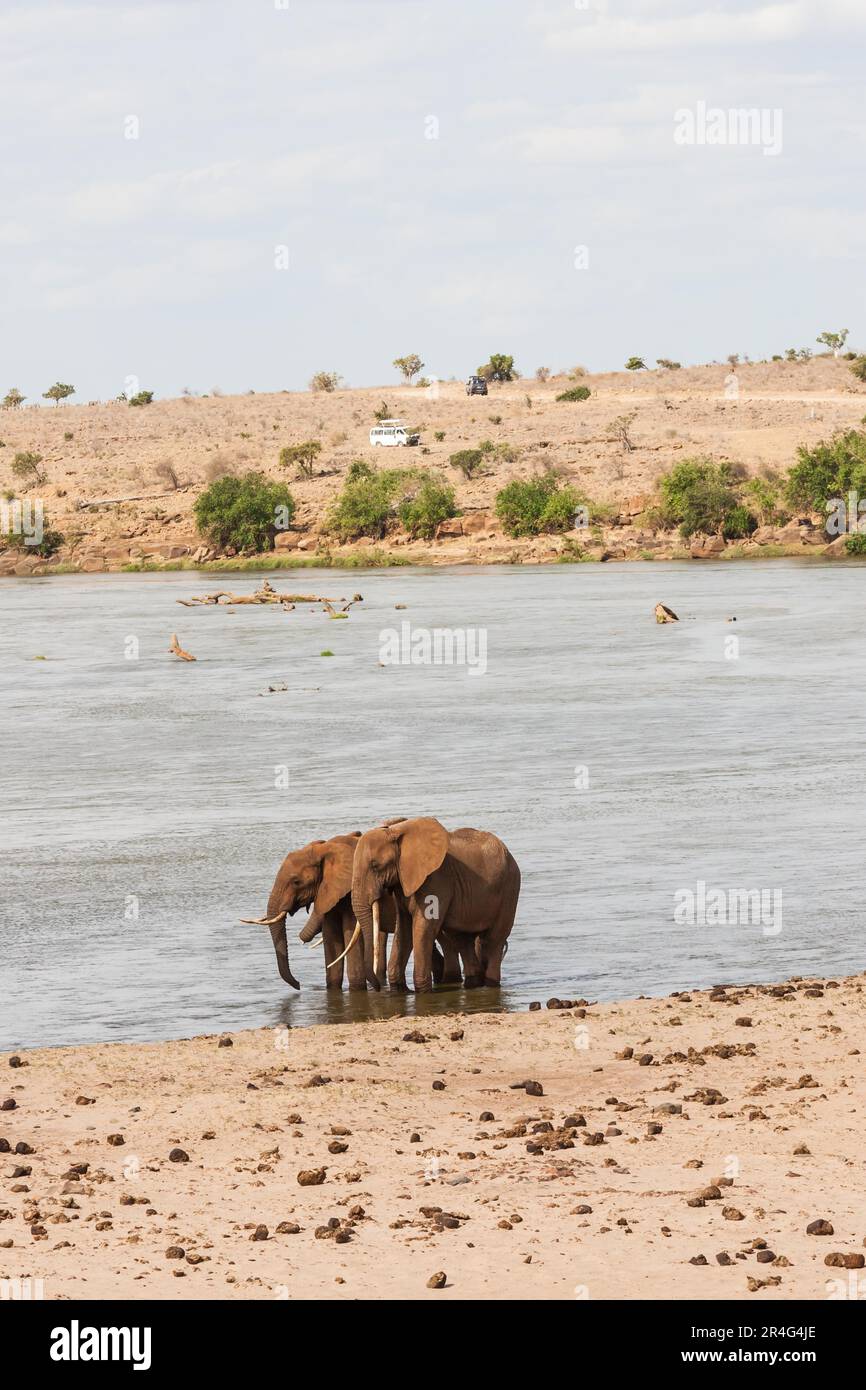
(311, 1177)
(116, 1140)
(225, 1042)
(178, 1156)
(288, 1228)
(437, 1281)
(820, 1227)
(840, 1260)
(732, 1214)
(175, 1252)
(438, 1085)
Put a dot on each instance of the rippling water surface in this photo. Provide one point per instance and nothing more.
(152, 782)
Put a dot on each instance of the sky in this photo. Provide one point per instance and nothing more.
(239, 193)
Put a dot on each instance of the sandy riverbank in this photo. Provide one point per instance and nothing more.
(422, 1182)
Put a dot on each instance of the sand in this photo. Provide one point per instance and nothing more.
(421, 1185)
(109, 451)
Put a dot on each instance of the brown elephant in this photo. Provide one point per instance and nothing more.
(463, 883)
(319, 877)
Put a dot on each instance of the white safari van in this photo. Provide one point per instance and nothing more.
(391, 432)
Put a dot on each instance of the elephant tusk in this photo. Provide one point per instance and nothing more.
(263, 921)
(376, 938)
(316, 941)
(355, 934)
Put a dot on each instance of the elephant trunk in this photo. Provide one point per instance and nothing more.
(363, 911)
(278, 936)
(311, 928)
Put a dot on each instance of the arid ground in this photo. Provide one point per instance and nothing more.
(115, 451)
(666, 1148)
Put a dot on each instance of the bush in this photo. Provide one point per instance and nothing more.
(635, 364)
(856, 544)
(738, 523)
(829, 470)
(499, 368)
(667, 365)
(468, 461)
(302, 456)
(438, 435)
(542, 373)
(575, 393)
(383, 412)
(26, 465)
(858, 367)
(243, 512)
(431, 502)
(141, 398)
(699, 495)
(536, 505)
(13, 399)
(365, 504)
(167, 473)
(325, 381)
(763, 497)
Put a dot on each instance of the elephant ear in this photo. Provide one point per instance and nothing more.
(335, 857)
(423, 846)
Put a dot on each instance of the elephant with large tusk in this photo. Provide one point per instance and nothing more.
(463, 884)
(320, 875)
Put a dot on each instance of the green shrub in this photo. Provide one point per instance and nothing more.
(575, 393)
(858, 367)
(142, 398)
(856, 544)
(431, 502)
(829, 470)
(535, 505)
(302, 456)
(738, 523)
(468, 461)
(13, 399)
(325, 381)
(26, 465)
(365, 505)
(699, 495)
(438, 435)
(243, 512)
(764, 500)
(635, 364)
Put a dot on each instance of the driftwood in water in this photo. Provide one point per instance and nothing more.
(177, 650)
(267, 594)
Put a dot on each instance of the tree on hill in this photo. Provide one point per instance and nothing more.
(303, 456)
(244, 512)
(635, 364)
(58, 392)
(408, 366)
(13, 399)
(325, 381)
(834, 341)
(499, 368)
(26, 466)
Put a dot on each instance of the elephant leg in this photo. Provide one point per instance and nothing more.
(473, 976)
(450, 974)
(334, 945)
(423, 938)
(491, 944)
(355, 967)
(401, 945)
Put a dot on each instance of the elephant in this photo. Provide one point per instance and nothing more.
(319, 877)
(462, 883)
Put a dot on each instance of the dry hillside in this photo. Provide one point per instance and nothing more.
(113, 451)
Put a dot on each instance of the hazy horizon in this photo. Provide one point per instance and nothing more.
(440, 179)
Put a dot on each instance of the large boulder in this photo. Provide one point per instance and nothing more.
(447, 530)
(706, 547)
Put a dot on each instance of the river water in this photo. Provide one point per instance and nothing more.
(146, 803)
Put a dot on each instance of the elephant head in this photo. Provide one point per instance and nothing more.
(398, 855)
(320, 875)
